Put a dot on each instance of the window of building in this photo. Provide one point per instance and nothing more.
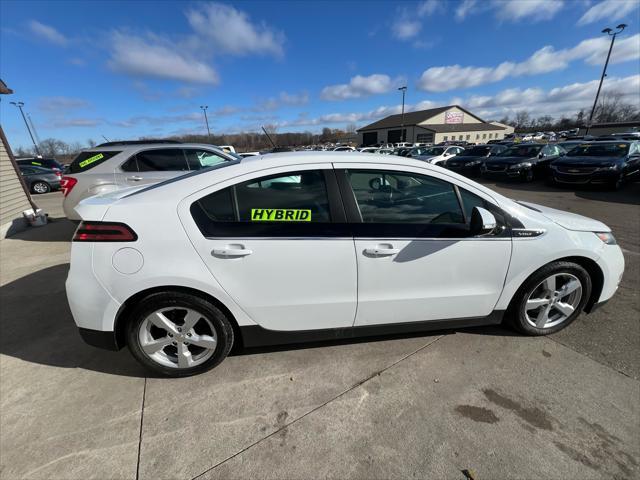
(468, 137)
(445, 138)
(484, 136)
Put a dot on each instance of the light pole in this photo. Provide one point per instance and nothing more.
(608, 31)
(206, 120)
(403, 137)
(20, 105)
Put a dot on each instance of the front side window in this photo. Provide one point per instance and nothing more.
(404, 198)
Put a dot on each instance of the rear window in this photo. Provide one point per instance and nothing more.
(87, 160)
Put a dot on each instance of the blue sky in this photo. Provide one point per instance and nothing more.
(131, 69)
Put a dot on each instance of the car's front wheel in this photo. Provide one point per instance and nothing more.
(40, 187)
(550, 299)
(178, 334)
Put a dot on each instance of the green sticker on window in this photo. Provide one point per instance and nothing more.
(280, 215)
(36, 163)
(90, 160)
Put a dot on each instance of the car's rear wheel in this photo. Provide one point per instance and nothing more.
(550, 299)
(40, 187)
(178, 334)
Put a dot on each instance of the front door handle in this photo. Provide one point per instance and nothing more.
(231, 252)
(381, 250)
(134, 178)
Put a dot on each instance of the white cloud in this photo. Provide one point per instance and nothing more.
(48, 33)
(511, 10)
(230, 31)
(557, 102)
(155, 57)
(465, 8)
(532, 10)
(609, 10)
(61, 104)
(284, 99)
(404, 29)
(592, 51)
(360, 86)
(430, 7)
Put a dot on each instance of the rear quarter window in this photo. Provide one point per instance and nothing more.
(88, 160)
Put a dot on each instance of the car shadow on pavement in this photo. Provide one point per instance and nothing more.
(56, 230)
(36, 326)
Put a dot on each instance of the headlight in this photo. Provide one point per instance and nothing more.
(520, 165)
(475, 162)
(607, 237)
(608, 168)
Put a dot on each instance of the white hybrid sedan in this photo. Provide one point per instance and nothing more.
(319, 245)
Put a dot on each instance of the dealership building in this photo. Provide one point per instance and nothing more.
(433, 126)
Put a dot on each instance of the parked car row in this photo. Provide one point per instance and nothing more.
(609, 163)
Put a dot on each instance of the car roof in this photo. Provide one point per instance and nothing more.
(138, 146)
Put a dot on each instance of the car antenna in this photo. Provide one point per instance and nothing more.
(106, 139)
(265, 132)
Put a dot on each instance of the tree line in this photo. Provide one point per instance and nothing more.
(610, 108)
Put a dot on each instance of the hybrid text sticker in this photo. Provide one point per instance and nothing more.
(280, 215)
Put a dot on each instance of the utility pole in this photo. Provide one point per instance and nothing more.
(613, 35)
(33, 128)
(403, 137)
(206, 120)
(19, 105)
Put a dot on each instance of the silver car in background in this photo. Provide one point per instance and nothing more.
(116, 165)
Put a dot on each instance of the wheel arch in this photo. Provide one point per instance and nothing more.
(597, 278)
(131, 302)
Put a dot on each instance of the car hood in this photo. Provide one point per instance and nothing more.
(588, 161)
(570, 221)
(509, 160)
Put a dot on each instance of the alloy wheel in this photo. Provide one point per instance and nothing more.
(553, 301)
(178, 337)
(40, 187)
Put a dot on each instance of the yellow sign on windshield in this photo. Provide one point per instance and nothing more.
(280, 215)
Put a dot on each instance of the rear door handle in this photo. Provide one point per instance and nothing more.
(231, 252)
(134, 178)
(381, 250)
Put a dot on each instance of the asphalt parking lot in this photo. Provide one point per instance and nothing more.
(419, 406)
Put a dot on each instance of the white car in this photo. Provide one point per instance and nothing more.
(436, 154)
(344, 148)
(309, 246)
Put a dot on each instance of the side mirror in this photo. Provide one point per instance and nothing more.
(541, 155)
(482, 221)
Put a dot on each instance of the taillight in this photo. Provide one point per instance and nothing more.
(104, 232)
(67, 184)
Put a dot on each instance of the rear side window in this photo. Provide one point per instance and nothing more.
(87, 160)
(295, 203)
(161, 160)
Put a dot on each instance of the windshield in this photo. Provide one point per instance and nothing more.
(599, 150)
(476, 152)
(526, 151)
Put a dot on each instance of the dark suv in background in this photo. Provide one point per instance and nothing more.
(524, 161)
(49, 163)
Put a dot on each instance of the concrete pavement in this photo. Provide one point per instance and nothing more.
(427, 406)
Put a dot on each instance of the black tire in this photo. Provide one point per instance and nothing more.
(155, 301)
(515, 314)
(617, 184)
(40, 187)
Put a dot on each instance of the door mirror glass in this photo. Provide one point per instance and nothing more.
(482, 221)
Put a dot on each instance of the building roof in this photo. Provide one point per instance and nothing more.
(412, 118)
(460, 127)
(4, 90)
